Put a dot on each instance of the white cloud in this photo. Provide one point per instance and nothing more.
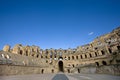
(91, 33)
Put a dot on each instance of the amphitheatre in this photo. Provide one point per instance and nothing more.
(101, 56)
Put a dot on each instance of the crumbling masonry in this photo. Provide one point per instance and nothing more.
(100, 56)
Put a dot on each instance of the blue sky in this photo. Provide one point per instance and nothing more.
(56, 23)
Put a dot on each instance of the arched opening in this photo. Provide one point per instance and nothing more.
(73, 57)
(37, 55)
(68, 58)
(90, 55)
(42, 71)
(52, 70)
(95, 54)
(26, 53)
(65, 57)
(41, 56)
(118, 47)
(104, 63)
(85, 56)
(110, 51)
(97, 64)
(76, 57)
(73, 65)
(60, 65)
(33, 55)
(68, 64)
(46, 61)
(50, 55)
(103, 53)
(46, 57)
(78, 70)
(81, 57)
(21, 52)
(68, 70)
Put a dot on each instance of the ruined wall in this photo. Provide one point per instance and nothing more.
(100, 56)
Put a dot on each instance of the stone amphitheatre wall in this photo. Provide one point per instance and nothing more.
(100, 56)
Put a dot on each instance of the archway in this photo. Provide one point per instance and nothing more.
(78, 70)
(21, 52)
(60, 65)
(42, 71)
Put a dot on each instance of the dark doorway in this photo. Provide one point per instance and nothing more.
(60, 65)
(78, 70)
(97, 64)
(52, 71)
(42, 71)
(104, 63)
(21, 52)
(118, 47)
(68, 70)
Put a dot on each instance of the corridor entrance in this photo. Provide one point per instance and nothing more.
(60, 66)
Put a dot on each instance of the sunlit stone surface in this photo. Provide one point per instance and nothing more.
(102, 56)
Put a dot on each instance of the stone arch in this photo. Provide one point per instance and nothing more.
(26, 52)
(33, 55)
(60, 66)
(90, 55)
(95, 54)
(46, 61)
(81, 56)
(37, 55)
(97, 64)
(21, 52)
(76, 57)
(73, 65)
(68, 70)
(78, 70)
(118, 47)
(52, 70)
(104, 62)
(41, 56)
(73, 57)
(85, 56)
(65, 57)
(103, 53)
(110, 51)
(69, 58)
(46, 56)
(42, 71)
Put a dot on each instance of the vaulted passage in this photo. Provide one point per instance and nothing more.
(60, 65)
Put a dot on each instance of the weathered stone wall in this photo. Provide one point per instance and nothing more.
(19, 70)
(103, 52)
(110, 69)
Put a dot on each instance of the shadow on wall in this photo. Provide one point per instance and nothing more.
(60, 77)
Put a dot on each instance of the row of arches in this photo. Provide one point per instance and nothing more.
(72, 65)
(42, 71)
(89, 55)
(102, 63)
(82, 56)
